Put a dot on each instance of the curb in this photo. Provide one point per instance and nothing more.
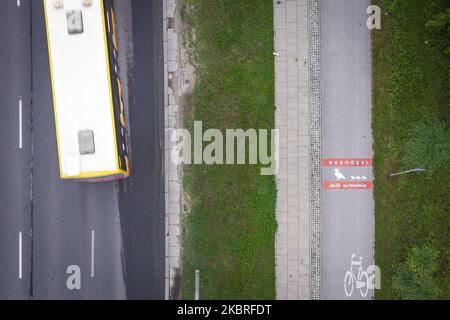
(173, 173)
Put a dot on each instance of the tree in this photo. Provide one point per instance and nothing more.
(428, 146)
(414, 278)
(440, 23)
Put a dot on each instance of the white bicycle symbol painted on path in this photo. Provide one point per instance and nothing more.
(364, 280)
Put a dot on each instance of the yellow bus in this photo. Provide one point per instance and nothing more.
(87, 91)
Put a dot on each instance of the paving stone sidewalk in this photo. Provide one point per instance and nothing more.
(292, 118)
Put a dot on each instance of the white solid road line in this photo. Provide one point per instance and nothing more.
(20, 254)
(92, 253)
(20, 124)
(18, 3)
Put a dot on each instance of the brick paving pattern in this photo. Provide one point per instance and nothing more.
(292, 118)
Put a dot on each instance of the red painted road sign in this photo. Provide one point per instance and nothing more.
(347, 162)
(347, 185)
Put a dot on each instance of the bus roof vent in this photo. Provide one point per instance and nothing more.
(58, 4)
(74, 21)
(86, 142)
(87, 3)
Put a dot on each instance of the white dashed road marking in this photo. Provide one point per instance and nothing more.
(20, 124)
(20, 254)
(92, 253)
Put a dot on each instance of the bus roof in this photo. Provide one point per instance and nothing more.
(82, 97)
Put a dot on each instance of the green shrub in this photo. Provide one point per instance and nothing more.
(428, 146)
(414, 279)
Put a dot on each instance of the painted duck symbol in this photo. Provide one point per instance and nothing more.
(339, 175)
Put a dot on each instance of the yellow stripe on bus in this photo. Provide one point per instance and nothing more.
(113, 18)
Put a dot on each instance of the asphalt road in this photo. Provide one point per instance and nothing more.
(113, 233)
(141, 199)
(15, 82)
(346, 83)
